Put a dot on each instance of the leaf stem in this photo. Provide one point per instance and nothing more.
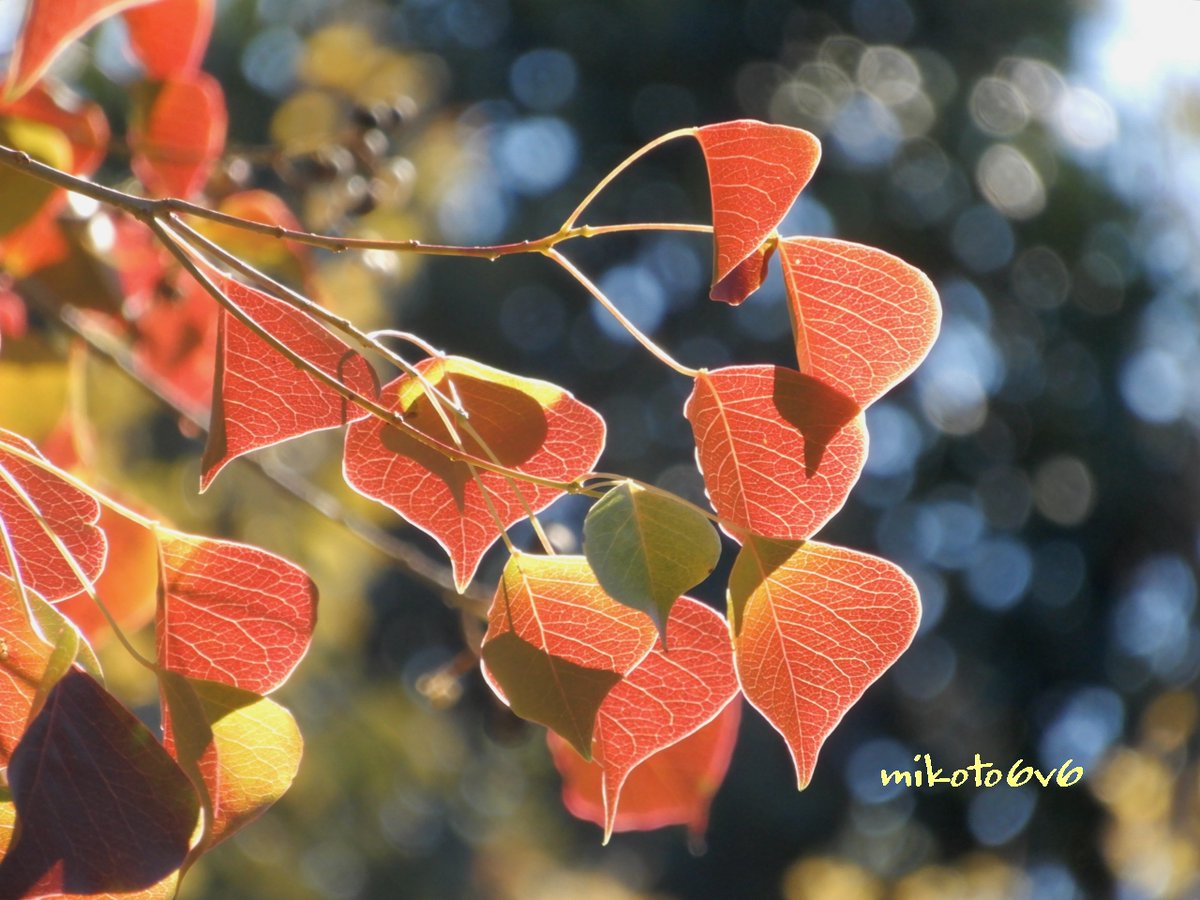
(618, 169)
(602, 298)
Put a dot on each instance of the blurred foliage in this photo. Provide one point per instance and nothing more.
(1036, 475)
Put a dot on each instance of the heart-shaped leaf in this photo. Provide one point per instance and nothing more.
(556, 644)
(647, 548)
(666, 697)
(177, 133)
(259, 398)
(673, 787)
(779, 450)
(231, 612)
(101, 807)
(533, 427)
(863, 319)
(813, 627)
(755, 173)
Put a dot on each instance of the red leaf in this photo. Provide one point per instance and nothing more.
(673, 787)
(665, 698)
(49, 26)
(746, 277)
(863, 319)
(101, 807)
(260, 398)
(68, 513)
(175, 341)
(755, 172)
(177, 133)
(779, 451)
(170, 36)
(556, 643)
(231, 612)
(531, 426)
(814, 626)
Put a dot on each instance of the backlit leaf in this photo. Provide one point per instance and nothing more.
(8, 819)
(175, 342)
(49, 26)
(82, 122)
(755, 173)
(232, 612)
(247, 755)
(862, 318)
(531, 426)
(170, 36)
(288, 261)
(814, 626)
(58, 508)
(177, 133)
(673, 787)
(556, 644)
(260, 398)
(779, 450)
(648, 548)
(666, 697)
(101, 806)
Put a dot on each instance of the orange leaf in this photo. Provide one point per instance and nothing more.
(231, 612)
(673, 787)
(23, 661)
(101, 807)
(755, 173)
(49, 26)
(127, 584)
(556, 644)
(779, 451)
(50, 506)
(81, 121)
(260, 398)
(531, 426)
(665, 698)
(814, 626)
(170, 36)
(863, 319)
(177, 133)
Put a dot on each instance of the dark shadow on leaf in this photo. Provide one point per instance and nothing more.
(817, 410)
(511, 424)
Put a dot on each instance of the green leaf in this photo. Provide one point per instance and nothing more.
(648, 548)
(23, 194)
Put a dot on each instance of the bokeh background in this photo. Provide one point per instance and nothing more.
(1039, 160)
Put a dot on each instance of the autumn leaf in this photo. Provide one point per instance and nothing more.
(755, 173)
(260, 398)
(813, 627)
(49, 26)
(32, 659)
(533, 427)
(556, 644)
(231, 612)
(647, 548)
(40, 511)
(243, 749)
(177, 132)
(24, 195)
(863, 319)
(170, 36)
(675, 786)
(779, 451)
(287, 261)
(86, 760)
(666, 697)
